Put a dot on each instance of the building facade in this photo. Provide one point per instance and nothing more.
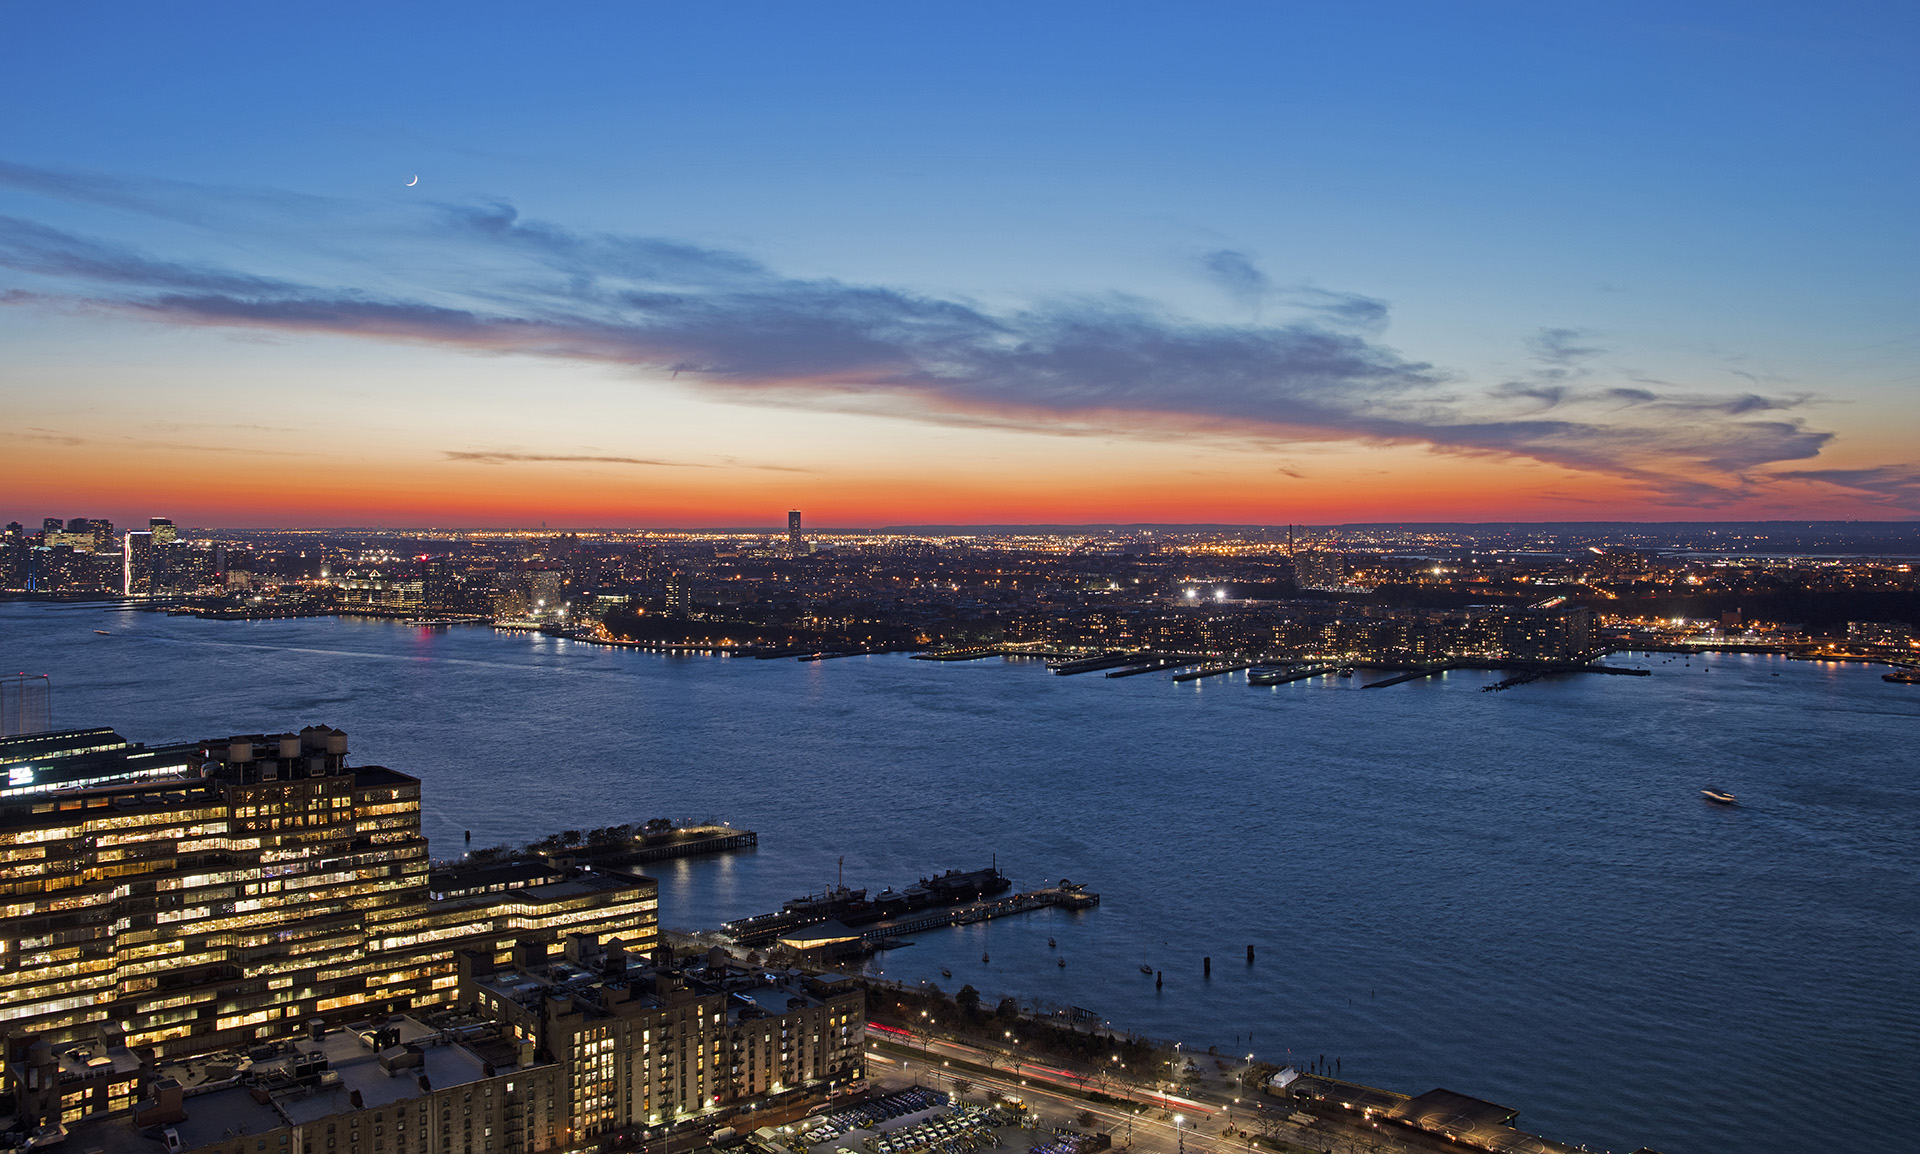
(651, 1041)
(206, 897)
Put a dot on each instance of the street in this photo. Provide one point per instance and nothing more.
(1160, 1123)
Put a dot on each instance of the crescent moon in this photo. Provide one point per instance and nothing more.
(414, 181)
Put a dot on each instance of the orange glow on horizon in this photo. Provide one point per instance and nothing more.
(237, 491)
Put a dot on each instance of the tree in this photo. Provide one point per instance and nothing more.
(1085, 1119)
(1008, 1010)
(1272, 1124)
(961, 1086)
(968, 999)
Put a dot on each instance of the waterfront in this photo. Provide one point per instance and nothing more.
(1518, 896)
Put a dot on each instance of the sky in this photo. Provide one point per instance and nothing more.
(680, 265)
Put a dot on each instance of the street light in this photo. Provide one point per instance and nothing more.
(1242, 1077)
(1177, 1120)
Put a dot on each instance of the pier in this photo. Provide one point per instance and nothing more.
(1006, 649)
(1300, 674)
(1066, 895)
(697, 842)
(1214, 670)
(692, 841)
(1089, 664)
(1413, 675)
(1156, 666)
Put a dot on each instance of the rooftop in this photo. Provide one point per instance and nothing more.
(753, 991)
(302, 1081)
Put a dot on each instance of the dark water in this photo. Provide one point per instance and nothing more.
(1515, 895)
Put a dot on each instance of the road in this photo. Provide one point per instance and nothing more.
(1159, 1123)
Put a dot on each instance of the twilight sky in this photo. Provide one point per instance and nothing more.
(678, 264)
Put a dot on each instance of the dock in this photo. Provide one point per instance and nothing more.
(1413, 675)
(1090, 664)
(1300, 674)
(1156, 666)
(1066, 896)
(692, 841)
(981, 652)
(1214, 670)
(1535, 673)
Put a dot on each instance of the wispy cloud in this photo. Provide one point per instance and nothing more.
(499, 457)
(1897, 486)
(479, 277)
(1235, 274)
(494, 458)
(1563, 348)
(48, 435)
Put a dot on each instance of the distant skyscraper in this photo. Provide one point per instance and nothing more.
(163, 530)
(679, 595)
(795, 546)
(136, 563)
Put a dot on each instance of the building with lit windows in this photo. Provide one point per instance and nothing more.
(651, 1041)
(438, 1082)
(184, 900)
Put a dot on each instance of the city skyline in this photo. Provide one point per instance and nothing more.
(671, 268)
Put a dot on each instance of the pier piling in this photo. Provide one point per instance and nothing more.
(1206, 967)
(1249, 955)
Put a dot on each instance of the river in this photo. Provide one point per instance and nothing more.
(1519, 895)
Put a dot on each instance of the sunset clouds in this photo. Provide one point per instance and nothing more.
(486, 281)
(1258, 262)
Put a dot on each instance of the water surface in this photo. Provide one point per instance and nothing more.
(1516, 895)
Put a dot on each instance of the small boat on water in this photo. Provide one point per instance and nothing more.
(1718, 797)
(1146, 969)
(985, 958)
(1904, 677)
(1052, 945)
(945, 972)
(103, 633)
(1063, 963)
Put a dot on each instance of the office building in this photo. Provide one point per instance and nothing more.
(679, 595)
(224, 894)
(795, 544)
(136, 563)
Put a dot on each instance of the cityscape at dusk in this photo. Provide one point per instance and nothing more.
(876, 579)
